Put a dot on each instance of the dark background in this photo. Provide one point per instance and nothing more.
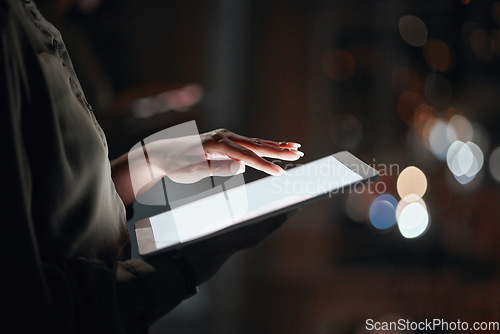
(332, 75)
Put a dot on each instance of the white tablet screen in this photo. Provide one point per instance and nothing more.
(243, 203)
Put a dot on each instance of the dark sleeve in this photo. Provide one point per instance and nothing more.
(78, 295)
(86, 296)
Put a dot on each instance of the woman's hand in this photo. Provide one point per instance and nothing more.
(217, 153)
(191, 158)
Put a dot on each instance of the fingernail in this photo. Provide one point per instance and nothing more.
(237, 167)
(297, 145)
(280, 170)
(299, 153)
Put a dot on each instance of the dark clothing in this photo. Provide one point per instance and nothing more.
(63, 224)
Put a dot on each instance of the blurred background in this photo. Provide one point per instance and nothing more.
(411, 87)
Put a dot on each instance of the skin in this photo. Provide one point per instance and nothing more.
(223, 151)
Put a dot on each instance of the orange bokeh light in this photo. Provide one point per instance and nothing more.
(437, 55)
(480, 44)
(338, 64)
(424, 118)
(408, 102)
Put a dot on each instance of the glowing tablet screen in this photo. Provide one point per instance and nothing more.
(243, 203)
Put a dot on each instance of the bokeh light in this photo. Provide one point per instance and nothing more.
(411, 181)
(383, 211)
(181, 99)
(338, 64)
(437, 55)
(464, 160)
(464, 184)
(480, 136)
(408, 103)
(425, 127)
(440, 138)
(480, 44)
(468, 27)
(423, 121)
(459, 128)
(413, 220)
(413, 30)
(495, 164)
(184, 98)
(495, 42)
(478, 158)
(404, 202)
(459, 158)
(464, 179)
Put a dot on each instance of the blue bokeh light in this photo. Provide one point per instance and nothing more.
(383, 212)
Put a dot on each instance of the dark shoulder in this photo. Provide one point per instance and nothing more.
(4, 13)
(10, 13)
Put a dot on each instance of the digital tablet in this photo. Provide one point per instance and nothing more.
(252, 202)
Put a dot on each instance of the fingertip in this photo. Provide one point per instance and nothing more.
(295, 155)
(292, 144)
(279, 170)
(289, 145)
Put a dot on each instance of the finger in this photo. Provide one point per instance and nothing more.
(226, 167)
(234, 151)
(263, 151)
(266, 148)
(286, 144)
(281, 144)
(258, 142)
(271, 151)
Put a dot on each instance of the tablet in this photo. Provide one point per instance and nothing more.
(252, 202)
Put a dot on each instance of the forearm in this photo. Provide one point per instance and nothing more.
(120, 173)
